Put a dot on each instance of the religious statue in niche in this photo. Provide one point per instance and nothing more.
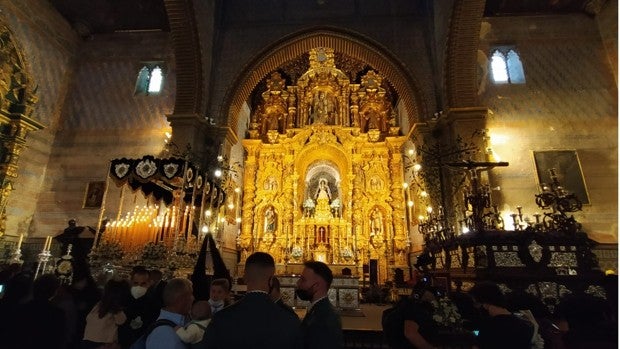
(322, 109)
(270, 220)
(270, 184)
(376, 222)
(376, 183)
(323, 191)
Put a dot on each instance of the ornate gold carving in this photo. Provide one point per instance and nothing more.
(17, 100)
(323, 95)
(332, 189)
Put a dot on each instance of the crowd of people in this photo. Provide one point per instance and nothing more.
(490, 318)
(145, 311)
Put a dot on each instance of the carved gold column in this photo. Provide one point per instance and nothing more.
(246, 242)
(400, 242)
(288, 204)
(357, 219)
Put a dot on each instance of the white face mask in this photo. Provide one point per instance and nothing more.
(216, 304)
(138, 291)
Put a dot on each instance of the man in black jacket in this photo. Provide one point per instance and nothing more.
(321, 327)
(255, 321)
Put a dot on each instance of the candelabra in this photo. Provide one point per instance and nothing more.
(559, 201)
(434, 228)
(17, 254)
(17, 257)
(44, 257)
(476, 216)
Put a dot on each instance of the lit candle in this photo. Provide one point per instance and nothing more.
(19, 243)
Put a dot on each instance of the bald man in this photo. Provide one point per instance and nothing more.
(321, 327)
(255, 321)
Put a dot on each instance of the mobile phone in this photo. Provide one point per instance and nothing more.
(475, 332)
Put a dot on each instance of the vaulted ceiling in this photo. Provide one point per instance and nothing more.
(107, 16)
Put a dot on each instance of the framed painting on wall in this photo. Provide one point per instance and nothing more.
(93, 198)
(567, 169)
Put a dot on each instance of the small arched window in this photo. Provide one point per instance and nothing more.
(150, 79)
(506, 66)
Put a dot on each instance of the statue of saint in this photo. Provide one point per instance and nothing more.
(323, 191)
(322, 108)
(376, 222)
(270, 220)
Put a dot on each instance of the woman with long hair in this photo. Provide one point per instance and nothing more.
(103, 320)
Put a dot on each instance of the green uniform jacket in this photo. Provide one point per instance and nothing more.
(254, 322)
(322, 328)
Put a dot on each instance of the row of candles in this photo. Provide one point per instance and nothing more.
(152, 223)
(145, 224)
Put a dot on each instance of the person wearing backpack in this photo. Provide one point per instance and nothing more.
(178, 298)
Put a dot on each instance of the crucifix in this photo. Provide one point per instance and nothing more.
(477, 196)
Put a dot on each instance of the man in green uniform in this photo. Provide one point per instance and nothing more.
(255, 321)
(321, 327)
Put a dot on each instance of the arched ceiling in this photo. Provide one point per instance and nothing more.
(106, 16)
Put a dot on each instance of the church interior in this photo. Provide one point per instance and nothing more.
(466, 139)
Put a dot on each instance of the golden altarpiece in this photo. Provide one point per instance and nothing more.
(323, 172)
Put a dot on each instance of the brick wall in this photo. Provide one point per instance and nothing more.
(103, 120)
(569, 101)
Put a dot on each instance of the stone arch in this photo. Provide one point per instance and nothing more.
(462, 53)
(354, 45)
(311, 155)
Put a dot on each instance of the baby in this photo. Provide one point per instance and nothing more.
(219, 295)
(201, 316)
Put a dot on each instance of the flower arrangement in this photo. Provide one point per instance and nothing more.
(446, 314)
(297, 252)
(107, 251)
(154, 253)
(346, 253)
